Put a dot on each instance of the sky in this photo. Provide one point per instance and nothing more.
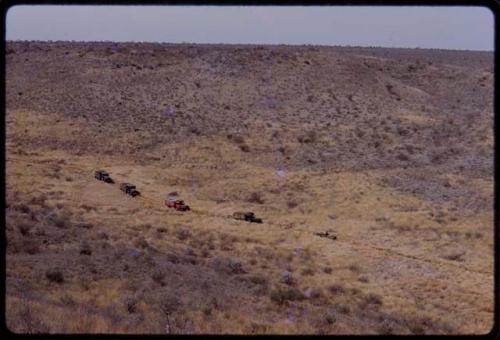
(463, 28)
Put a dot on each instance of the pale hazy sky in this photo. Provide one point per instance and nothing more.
(469, 28)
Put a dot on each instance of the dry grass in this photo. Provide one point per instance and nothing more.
(369, 163)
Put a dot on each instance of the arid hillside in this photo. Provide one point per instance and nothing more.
(390, 150)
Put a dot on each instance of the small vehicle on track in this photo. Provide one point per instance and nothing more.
(177, 204)
(246, 216)
(327, 234)
(129, 189)
(102, 175)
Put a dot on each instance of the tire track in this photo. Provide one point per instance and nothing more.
(152, 203)
(360, 245)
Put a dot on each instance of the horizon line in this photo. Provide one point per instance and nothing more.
(238, 44)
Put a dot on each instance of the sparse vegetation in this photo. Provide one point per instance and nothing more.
(393, 155)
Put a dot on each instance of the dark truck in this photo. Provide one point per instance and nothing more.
(328, 234)
(246, 216)
(102, 175)
(129, 189)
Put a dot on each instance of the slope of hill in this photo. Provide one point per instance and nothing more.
(392, 149)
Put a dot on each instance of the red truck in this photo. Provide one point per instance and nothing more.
(177, 204)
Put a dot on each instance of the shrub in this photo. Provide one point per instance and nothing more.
(336, 289)
(363, 278)
(229, 265)
(327, 270)
(158, 276)
(87, 208)
(172, 258)
(341, 308)
(258, 328)
(84, 282)
(85, 225)
(22, 208)
(25, 320)
(85, 248)
(422, 324)
(372, 299)
(245, 148)
(354, 268)
(416, 327)
(402, 157)
(258, 279)
(54, 275)
(60, 221)
(308, 272)
(286, 278)
(67, 300)
(385, 328)
(280, 296)
(195, 131)
(31, 247)
(190, 251)
(24, 228)
(330, 317)
(207, 310)
(237, 139)
(205, 252)
(39, 200)
(314, 293)
(234, 265)
(169, 304)
(183, 234)
(131, 305)
(310, 137)
(141, 242)
(256, 197)
(402, 131)
(103, 236)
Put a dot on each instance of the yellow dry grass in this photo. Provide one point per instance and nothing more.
(400, 260)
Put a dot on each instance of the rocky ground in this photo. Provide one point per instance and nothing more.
(390, 149)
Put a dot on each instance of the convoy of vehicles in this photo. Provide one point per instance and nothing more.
(171, 201)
